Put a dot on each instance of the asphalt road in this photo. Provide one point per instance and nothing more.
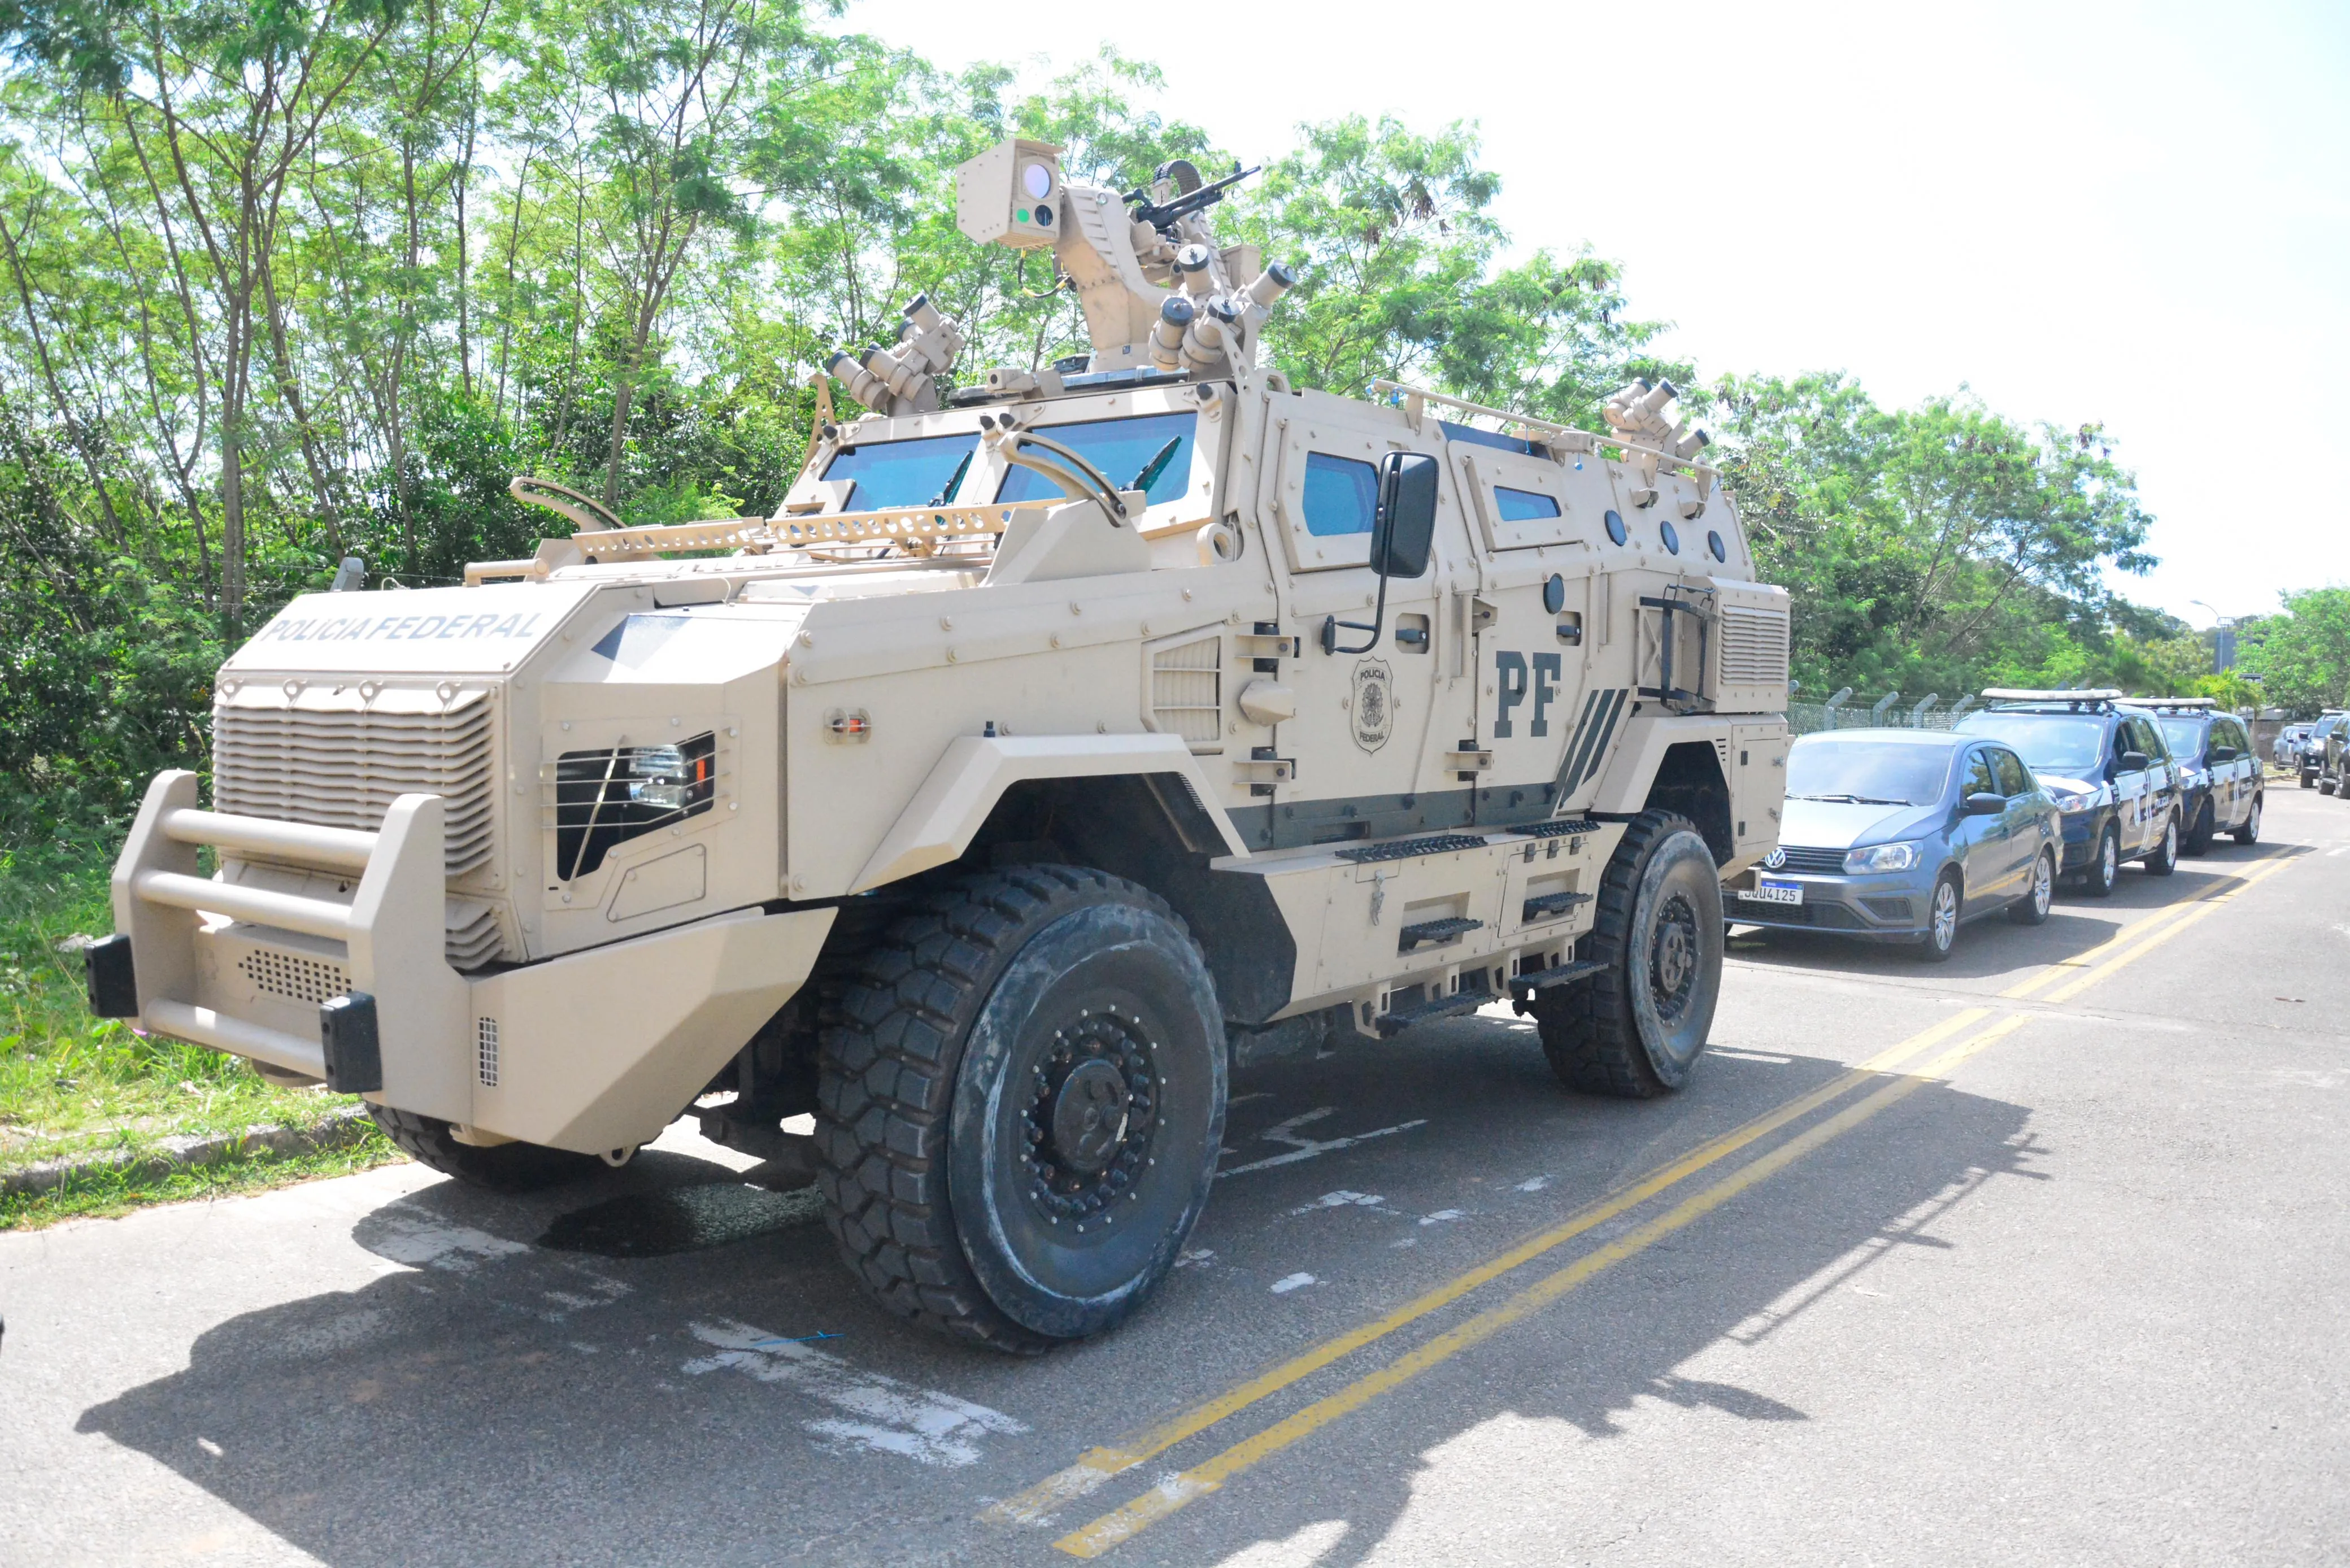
(2038, 1255)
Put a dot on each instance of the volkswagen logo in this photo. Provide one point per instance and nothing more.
(1776, 858)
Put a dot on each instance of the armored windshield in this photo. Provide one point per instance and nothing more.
(919, 472)
(2069, 744)
(1133, 453)
(2185, 735)
(1867, 772)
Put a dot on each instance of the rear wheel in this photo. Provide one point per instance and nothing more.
(2206, 828)
(2031, 909)
(1636, 1029)
(2164, 858)
(501, 1167)
(1020, 1108)
(2250, 832)
(1941, 936)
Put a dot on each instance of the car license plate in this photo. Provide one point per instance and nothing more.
(1773, 890)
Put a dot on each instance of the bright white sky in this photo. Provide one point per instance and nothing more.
(2138, 214)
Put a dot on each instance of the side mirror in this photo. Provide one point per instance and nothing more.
(1403, 531)
(1403, 528)
(1985, 804)
(2136, 762)
(2223, 754)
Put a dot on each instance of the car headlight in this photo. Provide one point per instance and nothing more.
(1881, 857)
(2072, 803)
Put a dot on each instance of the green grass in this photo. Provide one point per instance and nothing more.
(70, 1083)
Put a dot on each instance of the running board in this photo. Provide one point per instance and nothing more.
(1394, 1022)
(1543, 978)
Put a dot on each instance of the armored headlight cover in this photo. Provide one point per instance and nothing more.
(608, 796)
(1899, 856)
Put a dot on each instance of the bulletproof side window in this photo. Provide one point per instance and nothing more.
(1979, 777)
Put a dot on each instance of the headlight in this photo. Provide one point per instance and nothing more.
(1881, 857)
(2072, 803)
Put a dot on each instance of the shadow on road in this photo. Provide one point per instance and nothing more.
(494, 1399)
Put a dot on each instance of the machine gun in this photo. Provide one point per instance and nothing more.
(1196, 198)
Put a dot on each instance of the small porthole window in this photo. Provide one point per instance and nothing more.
(1714, 543)
(1672, 539)
(1616, 527)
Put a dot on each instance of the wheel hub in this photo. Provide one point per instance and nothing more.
(1088, 1115)
(1090, 1120)
(1672, 959)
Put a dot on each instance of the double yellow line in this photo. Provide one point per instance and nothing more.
(1039, 1502)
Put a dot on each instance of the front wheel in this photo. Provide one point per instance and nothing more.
(1636, 1029)
(2250, 832)
(2206, 828)
(2031, 909)
(1020, 1110)
(1941, 936)
(2163, 859)
(500, 1167)
(2106, 869)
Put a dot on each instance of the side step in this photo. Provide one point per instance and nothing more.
(1543, 905)
(1524, 985)
(1437, 933)
(1394, 1022)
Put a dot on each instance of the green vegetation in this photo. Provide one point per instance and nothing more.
(283, 283)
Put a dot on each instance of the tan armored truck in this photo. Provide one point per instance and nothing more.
(1064, 737)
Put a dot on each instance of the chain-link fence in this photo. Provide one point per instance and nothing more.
(1901, 714)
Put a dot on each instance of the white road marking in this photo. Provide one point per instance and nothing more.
(1443, 1214)
(1306, 1148)
(1196, 1258)
(1342, 1198)
(1288, 1282)
(428, 1243)
(1535, 1184)
(887, 1417)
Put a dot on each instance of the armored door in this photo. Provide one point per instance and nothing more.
(1374, 715)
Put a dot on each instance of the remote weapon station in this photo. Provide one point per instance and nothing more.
(1065, 737)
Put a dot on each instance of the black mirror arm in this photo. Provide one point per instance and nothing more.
(1378, 620)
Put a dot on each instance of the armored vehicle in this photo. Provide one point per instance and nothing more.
(2108, 766)
(2220, 775)
(1066, 735)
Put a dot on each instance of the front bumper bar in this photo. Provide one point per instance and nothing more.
(592, 1050)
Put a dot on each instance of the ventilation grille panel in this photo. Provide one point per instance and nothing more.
(485, 1051)
(1753, 646)
(345, 769)
(1187, 693)
(293, 976)
(469, 936)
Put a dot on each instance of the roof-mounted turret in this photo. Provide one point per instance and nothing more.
(1159, 291)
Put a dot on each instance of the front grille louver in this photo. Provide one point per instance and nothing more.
(343, 769)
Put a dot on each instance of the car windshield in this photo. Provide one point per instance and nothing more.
(2071, 744)
(2185, 735)
(1150, 453)
(1870, 773)
(920, 473)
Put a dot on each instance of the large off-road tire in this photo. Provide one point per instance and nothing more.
(2105, 869)
(2039, 893)
(1020, 1107)
(501, 1167)
(2249, 833)
(1636, 1029)
(2207, 827)
(2163, 858)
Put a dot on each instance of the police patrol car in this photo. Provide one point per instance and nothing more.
(2109, 768)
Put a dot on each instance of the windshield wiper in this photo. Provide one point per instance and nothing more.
(954, 481)
(1851, 799)
(1151, 470)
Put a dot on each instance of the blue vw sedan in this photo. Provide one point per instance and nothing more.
(1901, 835)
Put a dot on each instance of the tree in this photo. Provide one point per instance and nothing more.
(2302, 656)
